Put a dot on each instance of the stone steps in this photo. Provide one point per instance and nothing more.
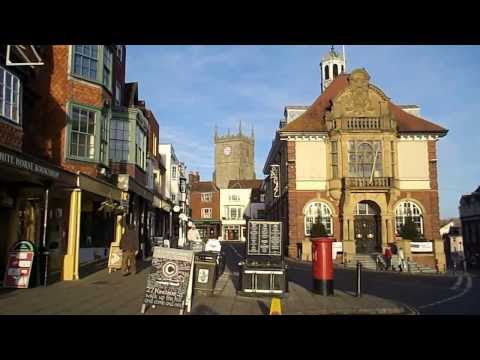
(368, 262)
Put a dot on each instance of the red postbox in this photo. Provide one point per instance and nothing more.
(322, 265)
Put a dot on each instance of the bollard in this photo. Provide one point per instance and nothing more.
(464, 266)
(454, 267)
(359, 280)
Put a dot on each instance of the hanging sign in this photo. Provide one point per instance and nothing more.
(275, 177)
(19, 265)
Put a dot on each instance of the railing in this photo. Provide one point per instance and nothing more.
(367, 183)
(372, 123)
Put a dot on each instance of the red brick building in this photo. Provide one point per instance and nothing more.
(205, 207)
(359, 164)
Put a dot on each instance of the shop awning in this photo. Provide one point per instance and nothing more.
(99, 187)
(127, 183)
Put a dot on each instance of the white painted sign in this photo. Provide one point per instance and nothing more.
(337, 246)
(421, 247)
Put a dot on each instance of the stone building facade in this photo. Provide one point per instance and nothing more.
(234, 158)
(347, 161)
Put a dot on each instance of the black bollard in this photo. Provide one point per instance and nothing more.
(359, 280)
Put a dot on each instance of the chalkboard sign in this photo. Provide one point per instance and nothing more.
(169, 280)
(264, 238)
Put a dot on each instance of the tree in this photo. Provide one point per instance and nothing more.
(318, 229)
(409, 230)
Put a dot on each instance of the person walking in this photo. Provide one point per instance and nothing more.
(401, 256)
(130, 248)
(388, 257)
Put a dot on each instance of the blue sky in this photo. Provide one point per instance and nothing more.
(192, 88)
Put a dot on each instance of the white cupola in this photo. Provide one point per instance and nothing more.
(332, 65)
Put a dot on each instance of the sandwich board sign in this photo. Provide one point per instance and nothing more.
(115, 258)
(170, 280)
(19, 265)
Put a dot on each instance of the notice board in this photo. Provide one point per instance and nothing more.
(169, 282)
(264, 238)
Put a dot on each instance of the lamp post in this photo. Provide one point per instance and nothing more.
(183, 193)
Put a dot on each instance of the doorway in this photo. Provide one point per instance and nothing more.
(366, 227)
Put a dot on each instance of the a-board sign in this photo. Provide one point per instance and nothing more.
(115, 257)
(169, 280)
(19, 265)
(264, 238)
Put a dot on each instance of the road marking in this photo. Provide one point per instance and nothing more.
(468, 287)
(457, 283)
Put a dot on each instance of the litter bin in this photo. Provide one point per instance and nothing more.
(206, 270)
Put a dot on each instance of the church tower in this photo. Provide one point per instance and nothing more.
(234, 157)
(332, 65)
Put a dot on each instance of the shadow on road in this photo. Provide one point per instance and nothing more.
(203, 310)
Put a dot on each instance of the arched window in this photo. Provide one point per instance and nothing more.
(318, 211)
(343, 70)
(408, 209)
(327, 72)
(335, 70)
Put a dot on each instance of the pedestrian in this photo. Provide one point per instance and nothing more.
(388, 257)
(130, 248)
(380, 262)
(401, 256)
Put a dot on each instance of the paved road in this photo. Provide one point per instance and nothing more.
(427, 294)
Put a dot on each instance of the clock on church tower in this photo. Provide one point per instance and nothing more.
(227, 150)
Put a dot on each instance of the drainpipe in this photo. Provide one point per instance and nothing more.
(44, 240)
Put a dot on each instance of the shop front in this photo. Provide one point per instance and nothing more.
(234, 232)
(93, 223)
(208, 229)
(33, 200)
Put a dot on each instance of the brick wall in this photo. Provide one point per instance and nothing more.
(197, 205)
(52, 110)
(11, 135)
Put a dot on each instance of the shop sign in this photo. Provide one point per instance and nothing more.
(275, 177)
(19, 265)
(421, 247)
(169, 282)
(28, 165)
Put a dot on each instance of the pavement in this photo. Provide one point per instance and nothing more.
(102, 293)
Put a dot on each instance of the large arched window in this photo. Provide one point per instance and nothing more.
(335, 70)
(408, 209)
(327, 73)
(318, 211)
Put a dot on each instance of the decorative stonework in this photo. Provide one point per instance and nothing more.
(418, 137)
(320, 137)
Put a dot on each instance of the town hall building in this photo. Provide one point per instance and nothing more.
(358, 163)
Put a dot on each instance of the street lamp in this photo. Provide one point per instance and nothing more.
(183, 193)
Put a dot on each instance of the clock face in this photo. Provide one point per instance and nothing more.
(227, 150)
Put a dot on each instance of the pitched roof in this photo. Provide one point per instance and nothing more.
(245, 184)
(313, 120)
(204, 186)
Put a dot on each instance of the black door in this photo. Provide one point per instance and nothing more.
(366, 234)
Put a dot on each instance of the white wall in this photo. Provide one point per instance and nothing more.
(311, 165)
(413, 164)
(244, 202)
